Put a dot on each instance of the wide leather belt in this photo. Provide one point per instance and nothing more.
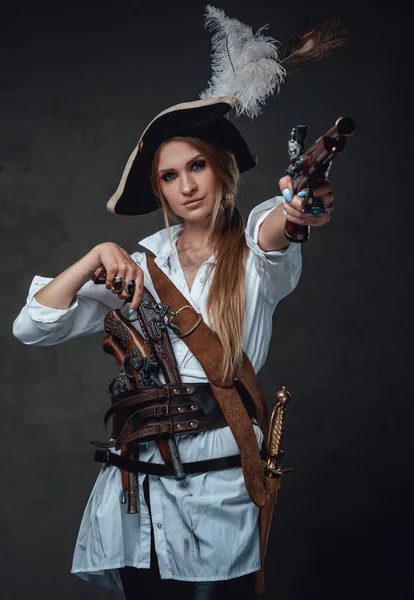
(152, 413)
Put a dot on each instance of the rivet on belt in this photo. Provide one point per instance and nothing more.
(180, 408)
(193, 424)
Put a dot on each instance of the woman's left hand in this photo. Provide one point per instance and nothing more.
(293, 208)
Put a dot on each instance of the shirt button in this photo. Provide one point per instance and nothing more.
(154, 477)
(202, 279)
(159, 525)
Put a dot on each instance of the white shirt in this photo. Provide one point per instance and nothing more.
(205, 528)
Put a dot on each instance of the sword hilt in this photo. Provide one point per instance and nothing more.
(274, 442)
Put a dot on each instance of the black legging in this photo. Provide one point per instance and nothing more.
(138, 582)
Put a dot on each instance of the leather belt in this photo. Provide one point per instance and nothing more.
(191, 468)
(152, 413)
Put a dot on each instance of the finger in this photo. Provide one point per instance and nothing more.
(111, 271)
(286, 187)
(321, 191)
(294, 208)
(296, 203)
(327, 200)
(130, 275)
(293, 214)
(294, 219)
(119, 271)
(139, 288)
(296, 216)
(318, 220)
(322, 188)
(311, 220)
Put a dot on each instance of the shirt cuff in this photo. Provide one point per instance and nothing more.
(256, 218)
(45, 316)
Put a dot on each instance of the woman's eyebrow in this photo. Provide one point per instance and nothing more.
(186, 164)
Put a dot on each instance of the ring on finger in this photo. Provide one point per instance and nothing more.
(117, 285)
(129, 287)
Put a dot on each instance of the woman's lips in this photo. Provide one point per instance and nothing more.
(194, 203)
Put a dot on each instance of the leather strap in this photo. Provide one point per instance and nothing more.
(149, 432)
(191, 468)
(143, 395)
(206, 347)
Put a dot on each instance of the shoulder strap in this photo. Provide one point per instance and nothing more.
(206, 347)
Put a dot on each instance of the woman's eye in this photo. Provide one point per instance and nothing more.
(199, 163)
(166, 176)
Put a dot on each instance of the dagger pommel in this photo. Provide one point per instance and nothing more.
(283, 396)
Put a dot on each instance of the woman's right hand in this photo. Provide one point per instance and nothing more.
(118, 263)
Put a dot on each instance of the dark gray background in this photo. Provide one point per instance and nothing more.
(79, 82)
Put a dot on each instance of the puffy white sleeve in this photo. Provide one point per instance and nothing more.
(44, 326)
(278, 270)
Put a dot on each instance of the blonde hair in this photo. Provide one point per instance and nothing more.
(226, 303)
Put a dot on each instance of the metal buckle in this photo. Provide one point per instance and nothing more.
(161, 411)
(176, 329)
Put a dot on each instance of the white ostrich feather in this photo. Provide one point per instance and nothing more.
(245, 65)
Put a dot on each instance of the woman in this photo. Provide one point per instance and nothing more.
(204, 540)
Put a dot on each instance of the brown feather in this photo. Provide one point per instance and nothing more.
(313, 43)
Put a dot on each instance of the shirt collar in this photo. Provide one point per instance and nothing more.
(159, 243)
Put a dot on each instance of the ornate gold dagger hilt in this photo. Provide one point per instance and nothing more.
(274, 442)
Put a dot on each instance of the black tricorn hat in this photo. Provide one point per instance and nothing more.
(202, 118)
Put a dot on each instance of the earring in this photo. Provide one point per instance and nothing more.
(226, 200)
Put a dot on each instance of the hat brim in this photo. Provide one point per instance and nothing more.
(203, 118)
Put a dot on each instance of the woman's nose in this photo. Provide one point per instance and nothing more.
(188, 185)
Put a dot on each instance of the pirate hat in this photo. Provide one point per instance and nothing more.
(205, 119)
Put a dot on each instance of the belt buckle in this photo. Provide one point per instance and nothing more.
(176, 329)
(162, 410)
